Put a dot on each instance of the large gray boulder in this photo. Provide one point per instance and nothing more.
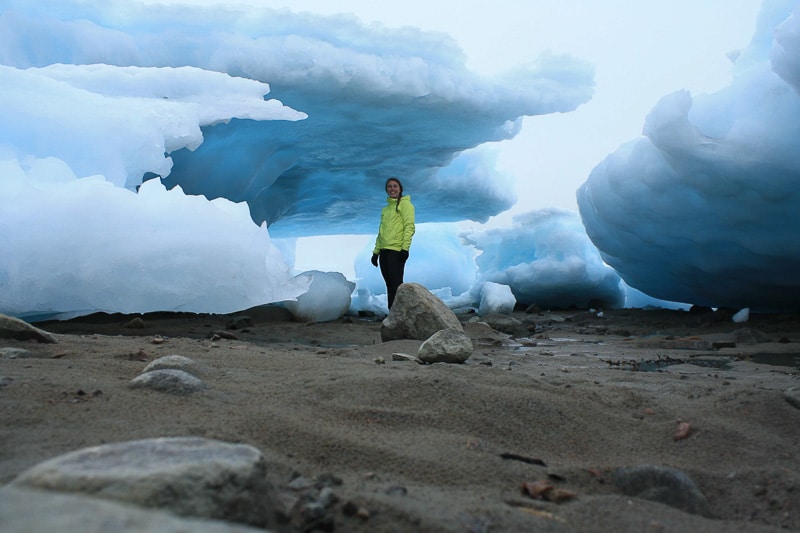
(188, 476)
(417, 314)
(27, 510)
(14, 328)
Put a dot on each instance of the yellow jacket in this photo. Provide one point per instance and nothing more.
(397, 225)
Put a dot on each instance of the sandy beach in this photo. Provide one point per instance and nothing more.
(566, 400)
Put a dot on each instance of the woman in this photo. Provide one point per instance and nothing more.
(394, 237)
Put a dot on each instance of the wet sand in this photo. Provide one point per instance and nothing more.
(565, 399)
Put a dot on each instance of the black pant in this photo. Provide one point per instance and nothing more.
(392, 267)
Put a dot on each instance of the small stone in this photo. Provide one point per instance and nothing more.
(14, 328)
(170, 381)
(239, 322)
(15, 353)
(136, 323)
(313, 511)
(380, 360)
(329, 480)
(327, 497)
(793, 396)
(750, 336)
(504, 323)
(300, 483)
(174, 362)
(217, 335)
(397, 490)
(662, 484)
(446, 346)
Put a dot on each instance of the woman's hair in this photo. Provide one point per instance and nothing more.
(397, 205)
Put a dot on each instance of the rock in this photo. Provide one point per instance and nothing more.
(239, 322)
(417, 314)
(171, 362)
(16, 353)
(478, 329)
(135, 323)
(504, 323)
(399, 356)
(300, 483)
(750, 336)
(446, 346)
(553, 318)
(482, 334)
(14, 328)
(26, 510)
(188, 476)
(663, 485)
(327, 497)
(793, 396)
(172, 381)
(217, 335)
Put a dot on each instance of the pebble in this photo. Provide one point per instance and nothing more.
(136, 323)
(662, 484)
(793, 396)
(217, 335)
(327, 497)
(300, 483)
(170, 381)
(15, 353)
(399, 356)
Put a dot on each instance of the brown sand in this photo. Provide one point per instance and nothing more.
(446, 447)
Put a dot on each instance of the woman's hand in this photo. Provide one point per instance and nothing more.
(374, 260)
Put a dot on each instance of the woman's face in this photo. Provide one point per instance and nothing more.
(393, 189)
